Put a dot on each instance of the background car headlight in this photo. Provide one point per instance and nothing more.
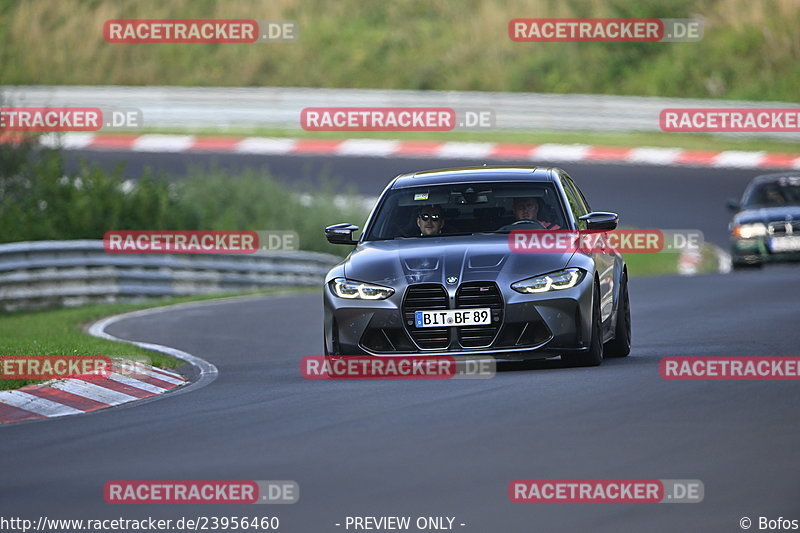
(563, 279)
(748, 231)
(356, 290)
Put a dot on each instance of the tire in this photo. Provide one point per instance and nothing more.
(594, 356)
(620, 345)
(747, 266)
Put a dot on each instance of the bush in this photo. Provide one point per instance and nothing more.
(39, 200)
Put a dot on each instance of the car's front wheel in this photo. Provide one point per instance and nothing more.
(620, 346)
(593, 356)
(741, 265)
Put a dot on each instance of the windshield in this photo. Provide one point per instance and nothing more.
(784, 191)
(465, 209)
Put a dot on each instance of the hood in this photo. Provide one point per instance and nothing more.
(767, 214)
(434, 259)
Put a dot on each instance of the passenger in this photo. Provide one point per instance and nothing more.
(526, 209)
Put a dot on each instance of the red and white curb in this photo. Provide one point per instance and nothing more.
(690, 261)
(79, 396)
(74, 396)
(430, 149)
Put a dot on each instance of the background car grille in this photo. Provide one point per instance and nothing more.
(426, 297)
(474, 295)
(784, 227)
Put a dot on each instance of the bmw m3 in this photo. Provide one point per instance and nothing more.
(433, 272)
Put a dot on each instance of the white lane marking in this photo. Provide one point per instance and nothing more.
(34, 404)
(93, 392)
(136, 383)
(656, 156)
(167, 372)
(162, 143)
(264, 145)
(368, 147)
(134, 370)
(561, 152)
(70, 141)
(461, 149)
(733, 158)
(208, 372)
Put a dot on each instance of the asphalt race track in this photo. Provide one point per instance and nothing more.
(451, 447)
(646, 196)
(432, 447)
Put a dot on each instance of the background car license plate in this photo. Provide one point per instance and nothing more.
(785, 244)
(453, 317)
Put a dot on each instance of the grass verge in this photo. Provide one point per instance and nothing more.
(660, 264)
(749, 49)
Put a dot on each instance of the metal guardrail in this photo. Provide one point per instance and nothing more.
(47, 273)
(279, 107)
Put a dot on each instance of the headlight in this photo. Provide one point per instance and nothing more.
(748, 231)
(563, 279)
(356, 290)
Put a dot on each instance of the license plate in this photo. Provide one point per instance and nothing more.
(453, 317)
(785, 244)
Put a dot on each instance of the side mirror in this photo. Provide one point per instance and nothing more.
(599, 220)
(341, 233)
(733, 205)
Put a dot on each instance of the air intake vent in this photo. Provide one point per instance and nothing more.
(426, 297)
(480, 294)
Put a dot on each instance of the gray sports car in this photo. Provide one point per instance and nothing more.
(434, 273)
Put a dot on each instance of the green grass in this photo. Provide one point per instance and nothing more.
(659, 264)
(749, 51)
(640, 265)
(687, 141)
(62, 332)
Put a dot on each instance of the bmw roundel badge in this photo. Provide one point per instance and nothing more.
(452, 280)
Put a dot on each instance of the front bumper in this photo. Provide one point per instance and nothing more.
(756, 251)
(528, 326)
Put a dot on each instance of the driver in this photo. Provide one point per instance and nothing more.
(430, 220)
(526, 209)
